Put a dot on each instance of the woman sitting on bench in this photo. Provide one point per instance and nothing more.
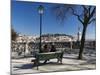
(53, 48)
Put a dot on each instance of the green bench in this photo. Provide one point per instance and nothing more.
(47, 56)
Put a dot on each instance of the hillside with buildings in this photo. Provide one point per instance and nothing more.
(47, 38)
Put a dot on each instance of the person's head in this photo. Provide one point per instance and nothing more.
(45, 46)
(52, 46)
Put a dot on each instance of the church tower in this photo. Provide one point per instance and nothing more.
(78, 34)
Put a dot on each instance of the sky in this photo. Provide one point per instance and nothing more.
(25, 20)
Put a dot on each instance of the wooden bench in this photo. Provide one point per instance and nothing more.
(47, 56)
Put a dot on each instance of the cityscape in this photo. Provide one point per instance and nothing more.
(50, 37)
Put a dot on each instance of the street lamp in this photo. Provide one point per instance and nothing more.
(41, 11)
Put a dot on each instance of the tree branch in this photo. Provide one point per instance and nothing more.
(94, 19)
(78, 16)
(89, 10)
(79, 19)
(92, 13)
(85, 9)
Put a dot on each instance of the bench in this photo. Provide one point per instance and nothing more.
(47, 56)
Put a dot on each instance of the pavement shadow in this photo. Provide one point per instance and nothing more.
(92, 61)
(74, 58)
(29, 66)
(25, 66)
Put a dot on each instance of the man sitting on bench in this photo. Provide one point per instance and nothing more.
(45, 49)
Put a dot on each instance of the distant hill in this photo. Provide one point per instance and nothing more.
(56, 35)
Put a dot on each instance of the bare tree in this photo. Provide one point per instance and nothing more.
(13, 34)
(84, 14)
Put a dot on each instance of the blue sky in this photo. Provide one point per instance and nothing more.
(25, 20)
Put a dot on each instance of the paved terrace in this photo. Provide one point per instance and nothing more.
(70, 63)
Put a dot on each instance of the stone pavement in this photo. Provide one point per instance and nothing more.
(70, 63)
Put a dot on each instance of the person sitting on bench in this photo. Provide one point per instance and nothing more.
(45, 49)
(53, 48)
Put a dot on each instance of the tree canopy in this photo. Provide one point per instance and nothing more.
(85, 14)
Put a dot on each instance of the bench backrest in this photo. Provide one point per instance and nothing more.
(49, 55)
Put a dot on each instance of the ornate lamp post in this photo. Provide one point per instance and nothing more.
(41, 11)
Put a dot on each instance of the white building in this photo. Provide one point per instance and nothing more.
(24, 38)
(58, 38)
(46, 38)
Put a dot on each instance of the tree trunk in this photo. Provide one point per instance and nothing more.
(82, 42)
